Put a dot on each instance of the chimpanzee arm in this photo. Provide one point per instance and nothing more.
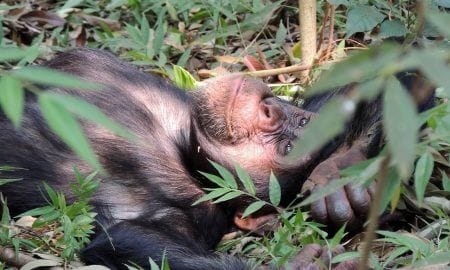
(171, 231)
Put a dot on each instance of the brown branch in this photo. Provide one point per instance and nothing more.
(373, 213)
(324, 22)
(330, 31)
(307, 19)
(276, 71)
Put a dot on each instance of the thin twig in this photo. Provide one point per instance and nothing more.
(324, 23)
(276, 71)
(330, 31)
(373, 213)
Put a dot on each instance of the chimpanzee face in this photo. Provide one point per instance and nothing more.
(251, 126)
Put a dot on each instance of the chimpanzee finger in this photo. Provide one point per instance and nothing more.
(339, 209)
(359, 198)
(326, 255)
(371, 189)
(347, 265)
(306, 258)
(309, 253)
(319, 211)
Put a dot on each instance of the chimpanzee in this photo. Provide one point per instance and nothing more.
(145, 199)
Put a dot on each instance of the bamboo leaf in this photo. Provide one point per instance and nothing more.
(89, 112)
(400, 123)
(225, 174)
(252, 208)
(229, 196)
(245, 179)
(51, 77)
(274, 190)
(422, 174)
(67, 128)
(12, 98)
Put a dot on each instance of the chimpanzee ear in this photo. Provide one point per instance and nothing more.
(270, 116)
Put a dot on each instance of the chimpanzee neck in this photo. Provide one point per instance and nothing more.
(197, 151)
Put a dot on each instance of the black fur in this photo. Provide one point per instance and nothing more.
(145, 202)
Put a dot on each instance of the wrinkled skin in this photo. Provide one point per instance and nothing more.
(251, 127)
(349, 204)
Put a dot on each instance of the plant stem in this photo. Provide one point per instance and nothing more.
(374, 212)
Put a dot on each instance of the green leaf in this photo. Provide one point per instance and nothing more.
(253, 207)
(362, 18)
(7, 54)
(424, 168)
(281, 34)
(215, 179)
(338, 236)
(274, 190)
(12, 98)
(145, 30)
(89, 112)
(183, 79)
(67, 128)
(160, 32)
(329, 123)
(369, 90)
(52, 194)
(438, 259)
(165, 262)
(225, 174)
(396, 253)
(46, 218)
(445, 181)
(7, 181)
(338, 2)
(153, 265)
(245, 179)
(390, 190)
(229, 196)
(212, 195)
(440, 20)
(70, 4)
(400, 123)
(51, 77)
(357, 67)
(9, 7)
(345, 257)
(434, 67)
(6, 217)
(394, 28)
(38, 211)
(331, 187)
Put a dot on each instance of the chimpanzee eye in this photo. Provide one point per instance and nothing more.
(288, 147)
(303, 122)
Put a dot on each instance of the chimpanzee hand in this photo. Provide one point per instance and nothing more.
(349, 204)
(314, 257)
